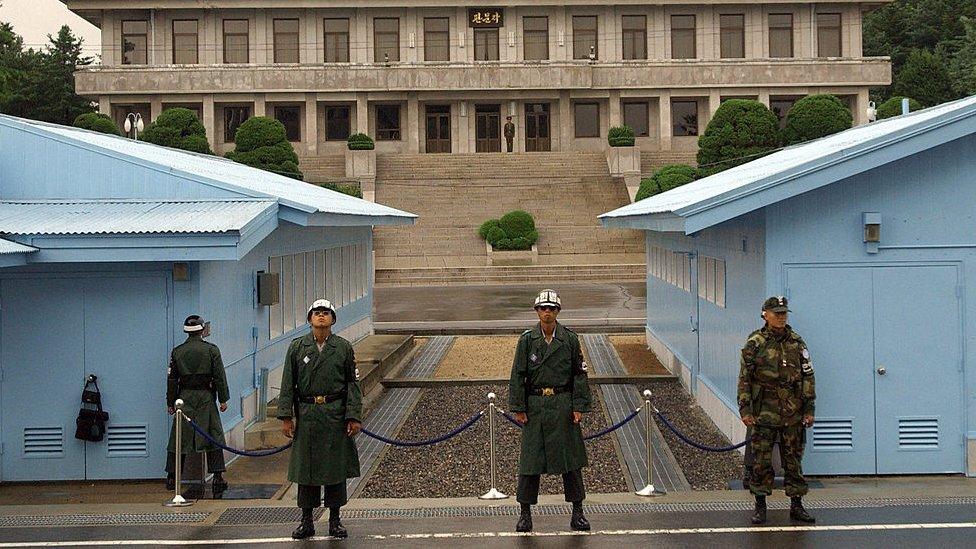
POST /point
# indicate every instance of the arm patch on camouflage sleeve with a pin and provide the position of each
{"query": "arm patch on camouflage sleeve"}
(807, 369)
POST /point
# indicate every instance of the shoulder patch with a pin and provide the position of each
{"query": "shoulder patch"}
(807, 369)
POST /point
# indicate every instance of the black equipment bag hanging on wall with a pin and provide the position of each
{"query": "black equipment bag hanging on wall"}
(91, 421)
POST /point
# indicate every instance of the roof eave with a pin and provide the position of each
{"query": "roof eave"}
(326, 219)
(665, 222)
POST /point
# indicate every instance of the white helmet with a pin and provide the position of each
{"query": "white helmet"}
(321, 304)
(548, 297)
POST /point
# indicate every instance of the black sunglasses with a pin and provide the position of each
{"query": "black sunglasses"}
(547, 308)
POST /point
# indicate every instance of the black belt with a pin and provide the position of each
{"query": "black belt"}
(196, 382)
(550, 391)
(322, 399)
(778, 384)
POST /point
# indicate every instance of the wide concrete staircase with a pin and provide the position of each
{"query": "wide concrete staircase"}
(327, 168)
(453, 194)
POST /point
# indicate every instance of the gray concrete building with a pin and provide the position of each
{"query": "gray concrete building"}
(442, 75)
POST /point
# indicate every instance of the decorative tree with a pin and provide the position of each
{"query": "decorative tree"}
(816, 116)
(740, 131)
(261, 142)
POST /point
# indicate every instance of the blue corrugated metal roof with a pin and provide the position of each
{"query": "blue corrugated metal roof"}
(8, 247)
(781, 167)
(78, 217)
(229, 175)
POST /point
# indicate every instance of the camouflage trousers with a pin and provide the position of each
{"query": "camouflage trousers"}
(791, 441)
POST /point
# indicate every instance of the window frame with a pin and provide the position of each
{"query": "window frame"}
(580, 34)
(145, 40)
(822, 28)
(377, 53)
(335, 39)
(443, 39)
(392, 134)
(298, 121)
(636, 32)
(646, 117)
(328, 126)
(576, 119)
(276, 35)
(246, 35)
(674, 124)
(229, 135)
(731, 32)
(776, 30)
(482, 46)
(535, 33)
(684, 32)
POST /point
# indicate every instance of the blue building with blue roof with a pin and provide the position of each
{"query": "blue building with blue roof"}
(107, 244)
(871, 234)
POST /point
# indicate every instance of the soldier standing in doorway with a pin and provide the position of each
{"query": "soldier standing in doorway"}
(196, 375)
(321, 408)
(548, 393)
(776, 399)
(509, 131)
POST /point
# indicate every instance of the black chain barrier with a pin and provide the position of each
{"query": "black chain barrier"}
(463, 427)
(591, 436)
(689, 442)
(222, 446)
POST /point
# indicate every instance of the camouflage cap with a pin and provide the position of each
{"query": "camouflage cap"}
(776, 304)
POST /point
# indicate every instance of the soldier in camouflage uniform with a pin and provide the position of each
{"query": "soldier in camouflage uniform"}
(776, 399)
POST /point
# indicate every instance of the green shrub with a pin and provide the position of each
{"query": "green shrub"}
(514, 231)
(740, 131)
(665, 179)
(97, 122)
(892, 107)
(178, 128)
(360, 142)
(352, 189)
(816, 116)
(261, 143)
(621, 136)
(924, 76)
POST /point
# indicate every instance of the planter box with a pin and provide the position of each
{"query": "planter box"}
(361, 166)
(624, 161)
(511, 257)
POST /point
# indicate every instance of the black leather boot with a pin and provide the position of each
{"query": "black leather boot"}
(759, 516)
(195, 491)
(170, 483)
(336, 529)
(797, 512)
(306, 528)
(579, 522)
(219, 485)
(525, 519)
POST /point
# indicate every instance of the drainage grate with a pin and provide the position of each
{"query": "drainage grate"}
(264, 515)
(95, 520)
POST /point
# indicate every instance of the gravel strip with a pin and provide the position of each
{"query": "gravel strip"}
(704, 470)
(635, 355)
(459, 466)
(478, 357)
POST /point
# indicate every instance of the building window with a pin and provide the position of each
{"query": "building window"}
(486, 44)
(185, 42)
(584, 36)
(386, 39)
(732, 33)
(233, 118)
(336, 40)
(711, 280)
(828, 35)
(337, 126)
(535, 38)
(236, 41)
(684, 117)
(683, 37)
(134, 42)
(635, 116)
(291, 117)
(587, 119)
(437, 39)
(780, 108)
(635, 36)
(781, 35)
(286, 40)
(388, 122)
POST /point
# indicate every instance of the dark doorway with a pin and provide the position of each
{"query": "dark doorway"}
(438, 128)
(537, 137)
(488, 122)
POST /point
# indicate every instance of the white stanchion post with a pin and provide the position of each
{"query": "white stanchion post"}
(649, 490)
(178, 419)
(493, 493)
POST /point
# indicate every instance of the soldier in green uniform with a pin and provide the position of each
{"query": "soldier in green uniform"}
(196, 375)
(321, 407)
(776, 399)
(548, 394)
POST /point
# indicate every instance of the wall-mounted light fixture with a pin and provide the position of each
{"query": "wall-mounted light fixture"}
(872, 231)
(181, 272)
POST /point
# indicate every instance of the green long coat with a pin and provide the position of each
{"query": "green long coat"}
(197, 357)
(322, 453)
(551, 442)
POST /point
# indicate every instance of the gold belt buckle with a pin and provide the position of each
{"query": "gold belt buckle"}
(320, 399)
(548, 391)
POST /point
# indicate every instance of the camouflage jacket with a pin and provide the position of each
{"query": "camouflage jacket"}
(776, 380)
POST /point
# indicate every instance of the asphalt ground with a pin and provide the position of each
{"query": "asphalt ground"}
(894, 526)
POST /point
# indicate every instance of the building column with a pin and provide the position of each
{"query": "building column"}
(861, 107)
(260, 108)
(105, 105)
(413, 123)
(616, 119)
(764, 97)
(362, 114)
(209, 120)
(566, 125)
(664, 108)
(714, 100)
(311, 124)
(155, 108)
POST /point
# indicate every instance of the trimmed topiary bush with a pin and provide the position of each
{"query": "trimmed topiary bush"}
(665, 179)
(97, 122)
(514, 231)
(621, 136)
(816, 116)
(178, 128)
(360, 142)
(261, 143)
(892, 107)
(351, 189)
(741, 130)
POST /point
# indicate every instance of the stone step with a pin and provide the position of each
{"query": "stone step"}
(436, 277)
